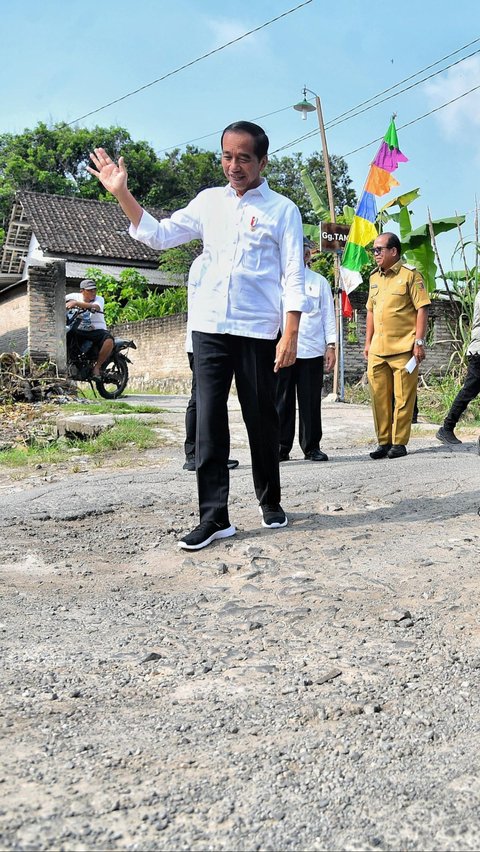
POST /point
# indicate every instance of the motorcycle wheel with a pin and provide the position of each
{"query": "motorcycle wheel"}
(114, 378)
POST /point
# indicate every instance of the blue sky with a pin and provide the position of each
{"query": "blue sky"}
(62, 61)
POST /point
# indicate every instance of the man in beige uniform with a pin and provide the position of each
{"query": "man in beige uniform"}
(397, 314)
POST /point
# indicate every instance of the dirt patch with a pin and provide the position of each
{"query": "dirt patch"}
(312, 687)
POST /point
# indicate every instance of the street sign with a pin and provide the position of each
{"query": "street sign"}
(333, 237)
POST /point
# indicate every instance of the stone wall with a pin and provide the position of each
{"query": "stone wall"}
(160, 360)
(14, 320)
(33, 316)
(46, 327)
(439, 338)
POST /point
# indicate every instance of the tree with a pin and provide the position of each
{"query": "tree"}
(54, 159)
(182, 176)
(284, 175)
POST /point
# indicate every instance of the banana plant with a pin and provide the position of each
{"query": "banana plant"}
(417, 243)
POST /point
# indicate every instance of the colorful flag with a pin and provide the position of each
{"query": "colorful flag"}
(363, 231)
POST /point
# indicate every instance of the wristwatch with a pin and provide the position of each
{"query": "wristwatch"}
(331, 346)
(420, 341)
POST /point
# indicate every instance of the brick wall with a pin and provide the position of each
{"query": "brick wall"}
(160, 360)
(14, 320)
(439, 348)
(46, 300)
(34, 316)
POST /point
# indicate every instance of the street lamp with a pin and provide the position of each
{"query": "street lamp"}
(305, 107)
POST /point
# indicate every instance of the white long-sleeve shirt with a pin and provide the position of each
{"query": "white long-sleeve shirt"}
(317, 326)
(249, 244)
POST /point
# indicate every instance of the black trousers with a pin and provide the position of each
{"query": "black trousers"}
(305, 377)
(191, 413)
(470, 389)
(218, 358)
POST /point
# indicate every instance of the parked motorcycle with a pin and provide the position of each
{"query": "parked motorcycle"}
(81, 359)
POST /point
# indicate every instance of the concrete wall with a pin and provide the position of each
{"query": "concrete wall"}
(14, 320)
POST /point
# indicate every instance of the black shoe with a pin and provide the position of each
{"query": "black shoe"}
(381, 452)
(316, 455)
(284, 456)
(190, 464)
(447, 436)
(273, 516)
(397, 451)
(204, 534)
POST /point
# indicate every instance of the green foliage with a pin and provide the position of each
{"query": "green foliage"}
(130, 284)
(319, 203)
(177, 261)
(436, 399)
(284, 174)
(129, 432)
(54, 159)
(130, 298)
(171, 301)
(105, 406)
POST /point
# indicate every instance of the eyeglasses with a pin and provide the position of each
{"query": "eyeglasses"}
(380, 249)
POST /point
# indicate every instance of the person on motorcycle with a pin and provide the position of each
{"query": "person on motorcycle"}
(93, 326)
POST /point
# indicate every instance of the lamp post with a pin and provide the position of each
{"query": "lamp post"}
(305, 107)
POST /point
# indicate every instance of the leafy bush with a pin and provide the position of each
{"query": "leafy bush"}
(173, 301)
(130, 298)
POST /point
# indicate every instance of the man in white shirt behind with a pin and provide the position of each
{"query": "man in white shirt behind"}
(315, 351)
(252, 239)
(191, 412)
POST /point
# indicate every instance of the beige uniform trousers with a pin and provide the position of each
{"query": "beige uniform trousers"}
(387, 378)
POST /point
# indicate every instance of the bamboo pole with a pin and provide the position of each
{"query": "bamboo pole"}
(336, 261)
(442, 273)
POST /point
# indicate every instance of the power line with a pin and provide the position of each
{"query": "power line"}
(189, 64)
(217, 132)
(411, 77)
(335, 120)
(414, 120)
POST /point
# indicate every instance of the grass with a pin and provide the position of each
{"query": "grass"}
(129, 433)
(433, 401)
(108, 407)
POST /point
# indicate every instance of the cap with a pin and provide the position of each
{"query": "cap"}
(87, 284)
(307, 242)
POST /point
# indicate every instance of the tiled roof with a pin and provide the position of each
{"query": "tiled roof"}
(81, 227)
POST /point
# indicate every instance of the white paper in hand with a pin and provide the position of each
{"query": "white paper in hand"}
(410, 365)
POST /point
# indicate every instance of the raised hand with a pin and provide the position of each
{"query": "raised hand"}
(112, 176)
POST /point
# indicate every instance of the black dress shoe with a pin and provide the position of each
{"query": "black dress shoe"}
(397, 451)
(381, 452)
(190, 464)
(283, 456)
(316, 455)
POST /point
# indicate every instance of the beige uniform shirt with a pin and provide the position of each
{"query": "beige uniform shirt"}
(394, 298)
